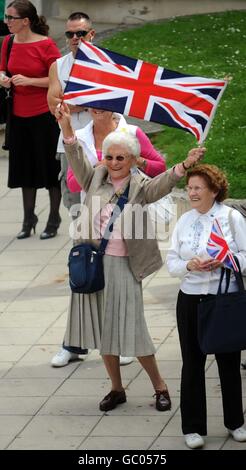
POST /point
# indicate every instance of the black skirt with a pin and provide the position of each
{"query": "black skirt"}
(32, 150)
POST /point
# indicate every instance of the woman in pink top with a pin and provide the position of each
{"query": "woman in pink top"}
(92, 136)
(33, 131)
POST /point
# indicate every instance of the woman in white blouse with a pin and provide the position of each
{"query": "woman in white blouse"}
(188, 259)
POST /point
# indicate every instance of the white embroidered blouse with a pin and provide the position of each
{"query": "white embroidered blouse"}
(190, 238)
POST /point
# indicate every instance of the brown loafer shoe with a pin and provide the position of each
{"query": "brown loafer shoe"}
(163, 401)
(111, 400)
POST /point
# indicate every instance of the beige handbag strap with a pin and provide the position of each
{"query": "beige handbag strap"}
(231, 224)
(233, 231)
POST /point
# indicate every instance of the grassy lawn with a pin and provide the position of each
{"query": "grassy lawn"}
(213, 46)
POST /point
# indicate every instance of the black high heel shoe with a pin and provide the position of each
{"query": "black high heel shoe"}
(27, 227)
(51, 228)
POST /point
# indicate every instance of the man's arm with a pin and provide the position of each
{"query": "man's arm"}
(54, 95)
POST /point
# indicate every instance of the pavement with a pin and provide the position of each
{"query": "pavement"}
(57, 408)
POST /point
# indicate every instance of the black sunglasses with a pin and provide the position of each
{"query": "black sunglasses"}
(119, 158)
(79, 34)
(10, 17)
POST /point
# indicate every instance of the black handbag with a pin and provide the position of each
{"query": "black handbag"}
(86, 273)
(3, 104)
(6, 100)
(222, 318)
(85, 261)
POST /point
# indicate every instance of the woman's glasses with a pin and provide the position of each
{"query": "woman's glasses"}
(11, 18)
(118, 158)
(196, 189)
(78, 34)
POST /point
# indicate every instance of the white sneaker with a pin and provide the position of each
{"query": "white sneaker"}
(194, 440)
(238, 434)
(125, 360)
(63, 357)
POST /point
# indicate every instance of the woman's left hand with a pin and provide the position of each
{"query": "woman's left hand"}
(21, 80)
(194, 156)
(141, 163)
(211, 265)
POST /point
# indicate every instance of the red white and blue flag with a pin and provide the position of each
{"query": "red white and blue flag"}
(104, 79)
(218, 248)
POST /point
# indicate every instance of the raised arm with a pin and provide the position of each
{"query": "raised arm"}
(163, 183)
(82, 169)
(55, 92)
(54, 95)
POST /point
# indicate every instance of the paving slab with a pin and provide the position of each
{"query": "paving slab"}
(125, 426)
(45, 442)
(14, 407)
(54, 426)
(116, 443)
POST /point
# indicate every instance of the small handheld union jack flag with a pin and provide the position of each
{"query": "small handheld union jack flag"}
(218, 248)
(104, 79)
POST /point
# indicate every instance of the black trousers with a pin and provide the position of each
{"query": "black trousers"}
(193, 389)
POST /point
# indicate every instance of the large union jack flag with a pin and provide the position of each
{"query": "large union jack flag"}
(218, 248)
(104, 79)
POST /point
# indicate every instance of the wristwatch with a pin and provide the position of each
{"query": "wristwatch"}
(144, 164)
(185, 167)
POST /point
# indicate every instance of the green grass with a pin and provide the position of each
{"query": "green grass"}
(213, 46)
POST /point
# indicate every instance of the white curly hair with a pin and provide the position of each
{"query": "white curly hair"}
(124, 138)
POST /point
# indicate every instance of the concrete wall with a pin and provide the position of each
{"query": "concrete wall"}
(46, 7)
(139, 11)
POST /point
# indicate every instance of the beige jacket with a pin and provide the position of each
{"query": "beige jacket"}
(144, 254)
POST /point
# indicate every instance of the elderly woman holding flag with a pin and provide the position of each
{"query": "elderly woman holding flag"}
(112, 319)
(188, 259)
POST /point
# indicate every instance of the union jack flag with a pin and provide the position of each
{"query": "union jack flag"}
(218, 248)
(104, 79)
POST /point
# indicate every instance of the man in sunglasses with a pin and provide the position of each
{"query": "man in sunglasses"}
(78, 28)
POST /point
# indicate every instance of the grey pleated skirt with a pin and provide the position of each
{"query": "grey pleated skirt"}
(111, 320)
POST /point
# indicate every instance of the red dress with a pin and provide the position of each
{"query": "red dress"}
(31, 60)
(33, 131)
